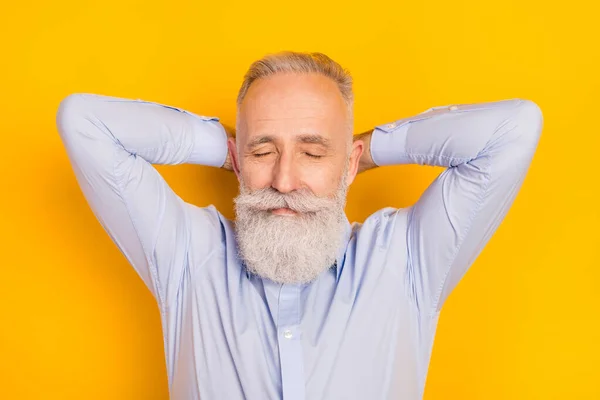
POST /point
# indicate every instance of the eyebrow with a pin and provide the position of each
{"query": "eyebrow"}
(305, 138)
(260, 140)
(313, 139)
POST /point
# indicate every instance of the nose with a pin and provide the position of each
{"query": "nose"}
(285, 174)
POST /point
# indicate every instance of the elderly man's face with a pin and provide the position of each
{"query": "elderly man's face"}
(295, 160)
(293, 134)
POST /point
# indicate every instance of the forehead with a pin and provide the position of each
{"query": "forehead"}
(293, 104)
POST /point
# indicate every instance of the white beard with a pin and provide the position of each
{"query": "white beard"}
(289, 249)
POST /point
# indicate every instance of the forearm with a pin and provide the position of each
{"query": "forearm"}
(157, 133)
(450, 136)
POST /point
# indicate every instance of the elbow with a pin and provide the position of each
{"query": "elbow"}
(526, 125)
(530, 120)
(69, 114)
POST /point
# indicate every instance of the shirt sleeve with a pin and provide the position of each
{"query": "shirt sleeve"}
(111, 144)
(487, 149)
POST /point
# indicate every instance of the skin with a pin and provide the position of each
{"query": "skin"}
(292, 134)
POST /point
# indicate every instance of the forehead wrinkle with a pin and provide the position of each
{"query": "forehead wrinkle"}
(318, 115)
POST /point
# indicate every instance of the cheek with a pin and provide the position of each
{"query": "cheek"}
(256, 175)
(322, 181)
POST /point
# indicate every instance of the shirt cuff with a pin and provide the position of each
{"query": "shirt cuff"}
(210, 143)
(388, 147)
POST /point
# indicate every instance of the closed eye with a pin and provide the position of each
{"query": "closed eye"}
(261, 154)
(313, 155)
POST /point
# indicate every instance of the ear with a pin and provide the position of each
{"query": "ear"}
(358, 146)
(233, 155)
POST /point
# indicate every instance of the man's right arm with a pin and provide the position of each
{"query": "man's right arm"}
(112, 143)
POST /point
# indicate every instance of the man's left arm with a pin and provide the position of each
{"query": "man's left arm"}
(487, 149)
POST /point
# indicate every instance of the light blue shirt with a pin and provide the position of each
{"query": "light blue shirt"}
(365, 328)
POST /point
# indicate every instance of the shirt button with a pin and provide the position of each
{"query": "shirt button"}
(392, 125)
(287, 334)
(453, 108)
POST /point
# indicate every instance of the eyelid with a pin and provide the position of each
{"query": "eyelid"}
(313, 155)
(258, 154)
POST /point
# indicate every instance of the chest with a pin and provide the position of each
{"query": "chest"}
(335, 338)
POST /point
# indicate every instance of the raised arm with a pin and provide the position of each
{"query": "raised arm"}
(487, 148)
(111, 143)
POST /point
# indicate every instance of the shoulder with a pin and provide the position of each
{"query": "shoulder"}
(382, 226)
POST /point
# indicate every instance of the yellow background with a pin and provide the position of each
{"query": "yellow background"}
(524, 323)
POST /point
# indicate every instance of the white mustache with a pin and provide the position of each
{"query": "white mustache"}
(301, 201)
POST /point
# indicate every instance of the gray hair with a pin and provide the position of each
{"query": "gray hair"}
(300, 63)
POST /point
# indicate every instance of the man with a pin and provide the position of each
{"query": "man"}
(291, 301)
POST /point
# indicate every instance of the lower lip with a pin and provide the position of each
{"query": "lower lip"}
(284, 211)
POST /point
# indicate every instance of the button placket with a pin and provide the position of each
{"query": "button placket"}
(290, 345)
